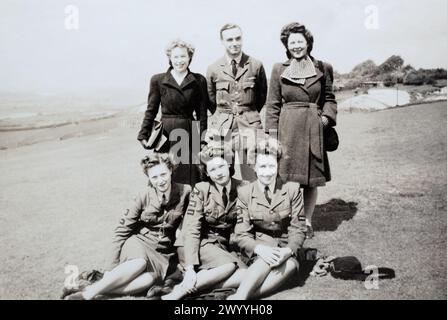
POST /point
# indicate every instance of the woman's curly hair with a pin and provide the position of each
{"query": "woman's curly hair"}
(269, 146)
(216, 149)
(296, 27)
(179, 44)
(154, 158)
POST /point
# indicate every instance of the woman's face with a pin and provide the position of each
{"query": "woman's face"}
(179, 59)
(266, 168)
(160, 177)
(218, 170)
(297, 45)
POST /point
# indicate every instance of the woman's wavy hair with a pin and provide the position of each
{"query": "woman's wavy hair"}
(155, 158)
(179, 44)
(269, 146)
(212, 150)
(296, 27)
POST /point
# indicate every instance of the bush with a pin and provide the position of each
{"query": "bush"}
(389, 81)
(414, 78)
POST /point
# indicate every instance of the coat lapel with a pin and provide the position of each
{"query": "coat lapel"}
(278, 197)
(311, 81)
(259, 196)
(155, 202)
(174, 196)
(226, 67)
(189, 79)
(217, 196)
(243, 66)
(169, 81)
(233, 193)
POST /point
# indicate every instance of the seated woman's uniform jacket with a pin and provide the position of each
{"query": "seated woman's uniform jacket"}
(207, 220)
(279, 224)
(147, 217)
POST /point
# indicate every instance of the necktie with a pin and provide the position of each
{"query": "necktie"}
(224, 196)
(267, 195)
(163, 202)
(233, 67)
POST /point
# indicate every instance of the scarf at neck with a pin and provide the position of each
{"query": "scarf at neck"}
(298, 71)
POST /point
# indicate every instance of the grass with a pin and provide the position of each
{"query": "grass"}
(386, 205)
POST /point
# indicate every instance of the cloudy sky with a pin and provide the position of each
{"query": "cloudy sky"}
(120, 44)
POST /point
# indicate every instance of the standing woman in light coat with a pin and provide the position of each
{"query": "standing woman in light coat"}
(300, 105)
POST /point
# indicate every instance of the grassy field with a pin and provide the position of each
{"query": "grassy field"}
(386, 205)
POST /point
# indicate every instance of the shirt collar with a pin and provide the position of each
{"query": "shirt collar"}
(220, 188)
(238, 59)
(167, 193)
(271, 186)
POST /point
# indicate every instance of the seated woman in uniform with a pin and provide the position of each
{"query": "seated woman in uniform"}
(143, 252)
(204, 245)
(270, 226)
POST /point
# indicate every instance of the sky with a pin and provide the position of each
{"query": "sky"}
(49, 46)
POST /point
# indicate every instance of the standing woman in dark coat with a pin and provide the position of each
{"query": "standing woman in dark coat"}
(300, 104)
(180, 93)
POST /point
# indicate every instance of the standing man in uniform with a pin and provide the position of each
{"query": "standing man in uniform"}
(237, 87)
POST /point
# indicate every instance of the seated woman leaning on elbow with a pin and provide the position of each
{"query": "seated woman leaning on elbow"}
(143, 250)
(270, 226)
(204, 247)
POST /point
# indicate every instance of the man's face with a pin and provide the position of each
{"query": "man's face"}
(232, 41)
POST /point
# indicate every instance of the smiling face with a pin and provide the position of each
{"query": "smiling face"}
(297, 45)
(179, 59)
(266, 168)
(160, 177)
(232, 41)
(218, 170)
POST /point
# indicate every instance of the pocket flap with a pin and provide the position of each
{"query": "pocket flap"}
(252, 116)
(256, 215)
(223, 85)
(248, 84)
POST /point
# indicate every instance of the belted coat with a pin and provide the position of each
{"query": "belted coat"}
(295, 111)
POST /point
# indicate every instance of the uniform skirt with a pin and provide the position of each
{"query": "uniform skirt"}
(213, 255)
(267, 240)
(158, 263)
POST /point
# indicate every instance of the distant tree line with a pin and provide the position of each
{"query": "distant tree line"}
(390, 72)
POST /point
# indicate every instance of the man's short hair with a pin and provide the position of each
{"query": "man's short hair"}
(228, 26)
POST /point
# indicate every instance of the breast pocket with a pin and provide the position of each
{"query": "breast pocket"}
(173, 217)
(222, 90)
(211, 215)
(150, 216)
(284, 213)
(256, 215)
(249, 92)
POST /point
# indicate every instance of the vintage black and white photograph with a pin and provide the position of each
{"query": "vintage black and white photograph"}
(223, 150)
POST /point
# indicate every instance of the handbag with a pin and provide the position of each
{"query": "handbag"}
(157, 139)
(330, 139)
(330, 136)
